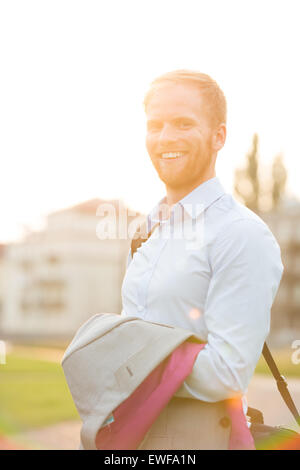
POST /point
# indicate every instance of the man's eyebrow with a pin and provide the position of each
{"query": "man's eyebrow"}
(183, 118)
(174, 118)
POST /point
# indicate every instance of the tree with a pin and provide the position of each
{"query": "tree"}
(253, 192)
(279, 177)
(246, 184)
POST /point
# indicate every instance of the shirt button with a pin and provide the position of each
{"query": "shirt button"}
(225, 422)
(140, 308)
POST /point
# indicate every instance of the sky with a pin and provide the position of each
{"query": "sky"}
(72, 83)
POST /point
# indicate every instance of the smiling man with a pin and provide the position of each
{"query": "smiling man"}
(184, 132)
(222, 289)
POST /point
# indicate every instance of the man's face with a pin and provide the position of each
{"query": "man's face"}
(179, 136)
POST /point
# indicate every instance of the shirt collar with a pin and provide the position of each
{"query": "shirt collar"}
(193, 203)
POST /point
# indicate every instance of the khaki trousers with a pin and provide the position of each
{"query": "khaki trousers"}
(189, 424)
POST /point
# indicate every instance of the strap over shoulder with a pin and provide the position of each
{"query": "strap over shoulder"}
(141, 235)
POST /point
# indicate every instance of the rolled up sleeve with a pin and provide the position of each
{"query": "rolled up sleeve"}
(246, 271)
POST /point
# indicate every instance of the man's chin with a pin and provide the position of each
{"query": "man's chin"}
(172, 183)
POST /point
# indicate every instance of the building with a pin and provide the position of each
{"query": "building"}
(57, 278)
(285, 225)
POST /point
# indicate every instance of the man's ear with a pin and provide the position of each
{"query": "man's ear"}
(219, 137)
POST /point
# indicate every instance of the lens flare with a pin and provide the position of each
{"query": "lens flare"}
(195, 313)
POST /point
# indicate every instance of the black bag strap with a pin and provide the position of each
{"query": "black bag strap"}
(282, 384)
(141, 236)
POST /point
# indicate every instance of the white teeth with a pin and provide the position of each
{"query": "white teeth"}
(172, 154)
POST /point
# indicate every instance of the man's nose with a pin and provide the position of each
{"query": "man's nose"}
(167, 135)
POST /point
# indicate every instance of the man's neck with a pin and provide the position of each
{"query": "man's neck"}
(176, 194)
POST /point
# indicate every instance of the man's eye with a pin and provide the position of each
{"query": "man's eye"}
(184, 124)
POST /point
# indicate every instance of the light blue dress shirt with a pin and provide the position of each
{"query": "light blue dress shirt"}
(219, 279)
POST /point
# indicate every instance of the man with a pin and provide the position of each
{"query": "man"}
(224, 287)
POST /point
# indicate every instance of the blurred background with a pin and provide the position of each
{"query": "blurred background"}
(72, 126)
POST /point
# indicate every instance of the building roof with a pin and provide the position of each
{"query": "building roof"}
(91, 206)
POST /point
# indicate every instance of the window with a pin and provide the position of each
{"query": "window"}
(26, 265)
(44, 295)
(53, 259)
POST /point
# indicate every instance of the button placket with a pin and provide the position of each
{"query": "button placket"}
(163, 243)
(156, 249)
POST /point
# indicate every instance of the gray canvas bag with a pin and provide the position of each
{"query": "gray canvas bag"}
(108, 358)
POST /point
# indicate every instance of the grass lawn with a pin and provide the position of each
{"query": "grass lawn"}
(33, 393)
